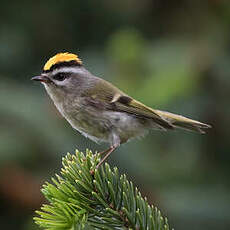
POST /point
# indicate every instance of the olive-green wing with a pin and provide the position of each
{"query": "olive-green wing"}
(129, 105)
(106, 95)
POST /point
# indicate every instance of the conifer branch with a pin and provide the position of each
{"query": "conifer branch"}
(81, 200)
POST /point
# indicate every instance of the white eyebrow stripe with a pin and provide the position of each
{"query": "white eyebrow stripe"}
(66, 70)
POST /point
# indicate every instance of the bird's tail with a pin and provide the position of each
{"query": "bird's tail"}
(178, 121)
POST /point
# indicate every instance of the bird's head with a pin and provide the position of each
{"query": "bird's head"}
(63, 73)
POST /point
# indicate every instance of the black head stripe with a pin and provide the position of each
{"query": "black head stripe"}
(62, 64)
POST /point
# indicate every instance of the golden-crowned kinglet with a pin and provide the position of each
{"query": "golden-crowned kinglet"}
(99, 110)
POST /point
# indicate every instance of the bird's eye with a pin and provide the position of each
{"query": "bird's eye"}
(60, 76)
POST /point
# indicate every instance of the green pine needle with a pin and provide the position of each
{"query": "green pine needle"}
(105, 200)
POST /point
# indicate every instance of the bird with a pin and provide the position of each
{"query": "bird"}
(99, 110)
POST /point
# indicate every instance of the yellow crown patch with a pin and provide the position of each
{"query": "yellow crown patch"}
(61, 57)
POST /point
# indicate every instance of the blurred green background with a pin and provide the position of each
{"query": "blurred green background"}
(171, 55)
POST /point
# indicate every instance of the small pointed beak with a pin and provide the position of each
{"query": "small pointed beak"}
(41, 78)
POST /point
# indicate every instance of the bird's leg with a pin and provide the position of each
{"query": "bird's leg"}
(109, 151)
(105, 151)
(115, 143)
